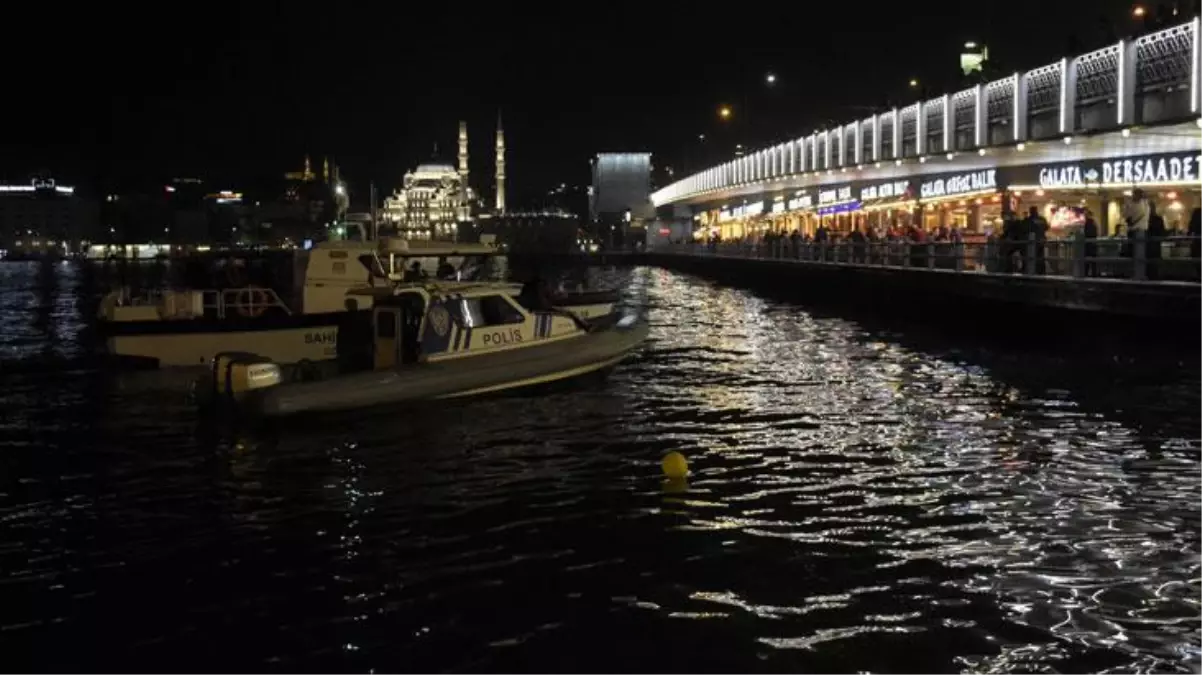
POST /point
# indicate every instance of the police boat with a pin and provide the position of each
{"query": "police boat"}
(433, 341)
(188, 327)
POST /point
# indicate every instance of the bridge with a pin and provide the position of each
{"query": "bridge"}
(1085, 128)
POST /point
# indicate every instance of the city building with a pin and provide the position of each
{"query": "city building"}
(542, 231)
(620, 198)
(621, 187)
(42, 217)
(188, 222)
(1082, 133)
(307, 207)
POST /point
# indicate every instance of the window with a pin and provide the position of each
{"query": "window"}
(497, 310)
(372, 263)
(491, 310)
(339, 268)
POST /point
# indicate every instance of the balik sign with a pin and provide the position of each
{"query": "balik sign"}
(841, 194)
(749, 210)
(975, 181)
(802, 202)
(896, 188)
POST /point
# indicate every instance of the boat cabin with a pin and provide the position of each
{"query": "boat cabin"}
(335, 270)
(429, 323)
(336, 273)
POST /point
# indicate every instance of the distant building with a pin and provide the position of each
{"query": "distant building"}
(428, 204)
(621, 184)
(188, 222)
(620, 198)
(551, 230)
(309, 206)
(42, 217)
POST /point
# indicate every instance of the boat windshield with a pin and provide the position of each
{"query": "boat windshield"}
(451, 268)
(374, 267)
(483, 268)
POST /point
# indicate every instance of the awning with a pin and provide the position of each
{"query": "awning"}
(888, 203)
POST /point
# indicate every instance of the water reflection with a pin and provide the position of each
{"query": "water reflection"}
(857, 500)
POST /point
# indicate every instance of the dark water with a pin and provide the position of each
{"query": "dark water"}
(859, 501)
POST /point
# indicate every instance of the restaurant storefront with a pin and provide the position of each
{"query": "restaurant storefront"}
(1064, 191)
(971, 201)
(974, 201)
(781, 214)
(888, 205)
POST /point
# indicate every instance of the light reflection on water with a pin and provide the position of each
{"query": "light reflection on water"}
(858, 500)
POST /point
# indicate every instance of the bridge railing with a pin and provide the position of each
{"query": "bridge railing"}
(1140, 258)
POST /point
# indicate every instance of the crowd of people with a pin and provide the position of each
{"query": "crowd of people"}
(1021, 243)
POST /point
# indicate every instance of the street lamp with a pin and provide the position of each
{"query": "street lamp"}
(913, 83)
(724, 112)
(770, 78)
(1138, 11)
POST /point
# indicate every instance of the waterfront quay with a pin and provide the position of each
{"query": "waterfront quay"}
(968, 280)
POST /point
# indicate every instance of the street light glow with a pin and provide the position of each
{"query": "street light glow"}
(913, 83)
(1138, 11)
(771, 78)
(724, 112)
(970, 45)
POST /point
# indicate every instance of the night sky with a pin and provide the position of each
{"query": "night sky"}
(124, 97)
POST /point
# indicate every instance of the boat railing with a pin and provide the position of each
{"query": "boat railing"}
(247, 301)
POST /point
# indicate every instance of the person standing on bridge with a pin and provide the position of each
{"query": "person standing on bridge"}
(1154, 240)
(1090, 232)
(1195, 233)
(1036, 226)
(1135, 215)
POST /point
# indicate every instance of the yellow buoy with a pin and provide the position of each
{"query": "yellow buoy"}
(675, 465)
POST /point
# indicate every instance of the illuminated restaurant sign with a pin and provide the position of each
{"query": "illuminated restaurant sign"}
(748, 210)
(840, 194)
(802, 202)
(973, 181)
(897, 188)
(1177, 168)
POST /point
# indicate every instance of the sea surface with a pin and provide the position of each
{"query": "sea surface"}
(861, 497)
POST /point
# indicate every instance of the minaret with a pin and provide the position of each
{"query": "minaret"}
(463, 152)
(500, 166)
(463, 184)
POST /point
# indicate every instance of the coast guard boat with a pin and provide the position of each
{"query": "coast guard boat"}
(340, 281)
(431, 341)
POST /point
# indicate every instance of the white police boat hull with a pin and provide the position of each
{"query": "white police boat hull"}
(428, 343)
